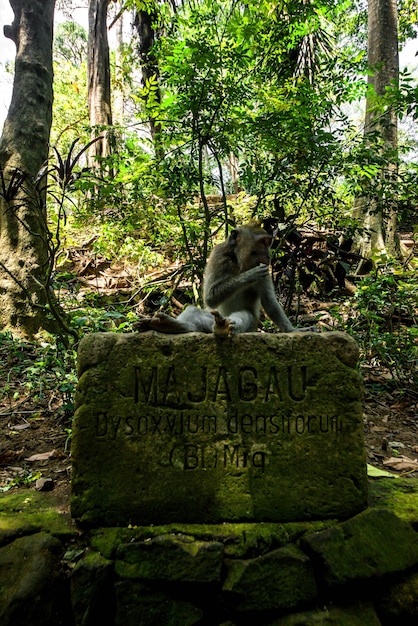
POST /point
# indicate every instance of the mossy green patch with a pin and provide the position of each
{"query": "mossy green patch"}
(171, 558)
(92, 590)
(26, 511)
(281, 579)
(372, 544)
(239, 540)
(399, 603)
(399, 495)
(139, 604)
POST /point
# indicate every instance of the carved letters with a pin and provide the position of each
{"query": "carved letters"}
(207, 439)
(141, 426)
(165, 386)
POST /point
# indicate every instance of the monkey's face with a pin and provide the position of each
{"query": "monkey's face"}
(251, 247)
(260, 254)
(253, 250)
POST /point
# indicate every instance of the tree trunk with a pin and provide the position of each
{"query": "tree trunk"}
(99, 99)
(23, 151)
(146, 34)
(118, 98)
(378, 211)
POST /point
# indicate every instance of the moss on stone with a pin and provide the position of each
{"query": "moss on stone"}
(399, 603)
(174, 558)
(92, 594)
(139, 604)
(240, 539)
(26, 511)
(30, 582)
(399, 495)
(269, 567)
(372, 544)
(214, 438)
(280, 579)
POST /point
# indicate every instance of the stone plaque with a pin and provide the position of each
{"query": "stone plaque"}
(191, 428)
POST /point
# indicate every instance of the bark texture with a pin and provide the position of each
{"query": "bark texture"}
(99, 98)
(379, 211)
(149, 67)
(24, 149)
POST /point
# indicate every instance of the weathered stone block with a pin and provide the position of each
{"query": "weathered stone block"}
(281, 579)
(189, 428)
(398, 604)
(31, 591)
(174, 558)
(374, 543)
(92, 593)
(138, 605)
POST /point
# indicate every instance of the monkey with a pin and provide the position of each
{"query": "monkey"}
(236, 285)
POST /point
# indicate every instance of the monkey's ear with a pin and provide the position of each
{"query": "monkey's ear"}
(234, 237)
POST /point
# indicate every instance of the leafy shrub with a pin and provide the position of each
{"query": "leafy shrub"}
(384, 322)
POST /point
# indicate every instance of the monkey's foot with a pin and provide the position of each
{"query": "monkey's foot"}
(162, 323)
(222, 327)
(142, 325)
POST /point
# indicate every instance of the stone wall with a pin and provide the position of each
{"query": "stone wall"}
(360, 572)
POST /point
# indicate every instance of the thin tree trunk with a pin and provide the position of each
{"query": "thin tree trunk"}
(149, 67)
(118, 99)
(99, 97)
(379, 211)
(24, 149)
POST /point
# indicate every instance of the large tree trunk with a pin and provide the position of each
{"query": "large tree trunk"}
(24, 149)
(99, 97)
(378, 211)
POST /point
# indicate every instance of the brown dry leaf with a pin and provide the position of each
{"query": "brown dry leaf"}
(401, 405)
(9, 456)
(402, 463)
(44, 456)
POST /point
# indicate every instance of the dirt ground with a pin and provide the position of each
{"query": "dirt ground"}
(35, 431)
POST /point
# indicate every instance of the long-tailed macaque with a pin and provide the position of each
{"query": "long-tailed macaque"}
(236, 284)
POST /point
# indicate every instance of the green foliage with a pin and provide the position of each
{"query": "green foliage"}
(96, 319)
(70, 43)
(35, 367)
(21, 479)
(239, 80)
(70, 119)
(53, 366)
(130, 213)
(232, 80)
(384, 322)
(408, 19)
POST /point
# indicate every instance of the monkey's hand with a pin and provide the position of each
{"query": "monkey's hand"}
(256, 274)
(222, 327)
